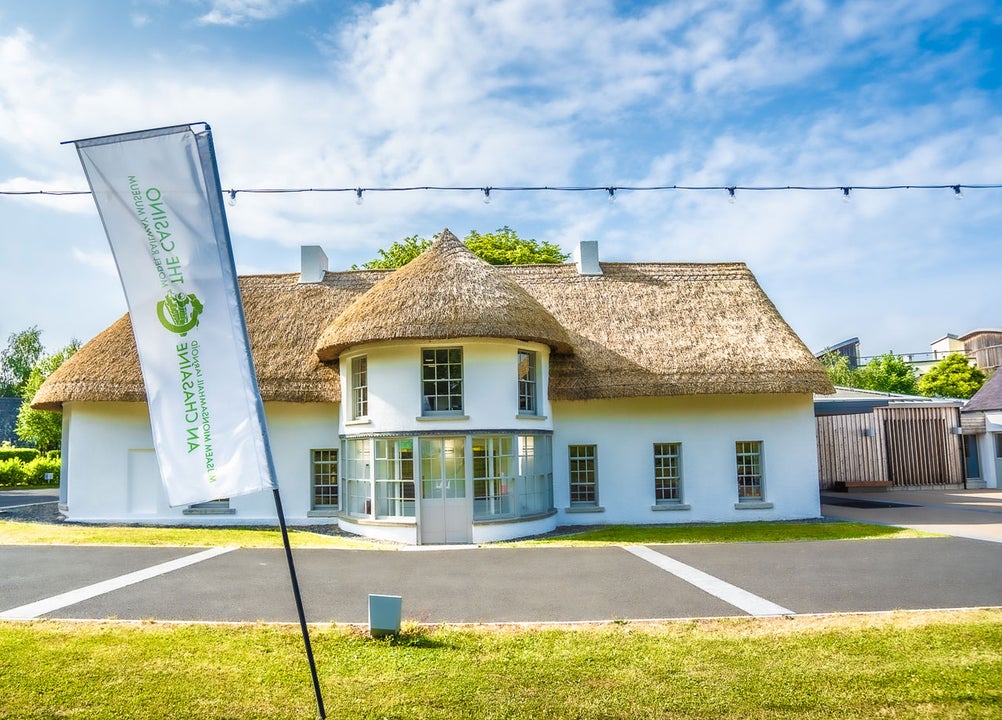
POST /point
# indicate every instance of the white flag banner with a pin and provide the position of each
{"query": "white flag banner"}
(158, 195)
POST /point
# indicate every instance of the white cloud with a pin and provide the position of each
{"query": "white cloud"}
(238, 12)
(521, 92)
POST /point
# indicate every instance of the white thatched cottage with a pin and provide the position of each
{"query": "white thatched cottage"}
(453, 401)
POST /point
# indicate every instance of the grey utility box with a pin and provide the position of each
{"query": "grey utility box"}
(384, 614)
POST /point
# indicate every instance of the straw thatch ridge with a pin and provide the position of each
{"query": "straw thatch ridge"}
(638, 330)
(282, 320)
(658, 329)
(446, 292)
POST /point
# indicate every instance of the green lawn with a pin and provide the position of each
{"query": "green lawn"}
(907, 665)
(726, 532)
(24, 533)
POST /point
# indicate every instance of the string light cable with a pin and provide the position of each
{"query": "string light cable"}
(609, 190)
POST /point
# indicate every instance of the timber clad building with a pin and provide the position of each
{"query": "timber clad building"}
(452, 401)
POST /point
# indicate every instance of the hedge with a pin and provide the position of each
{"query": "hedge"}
(22, 454)
(15, 472)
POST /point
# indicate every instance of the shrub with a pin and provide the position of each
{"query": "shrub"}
(12, 472)
(22, 454)
(54, 454)
(36, 470)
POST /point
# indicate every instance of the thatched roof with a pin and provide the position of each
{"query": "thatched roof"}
(638, 330)
(989, 397)
(446, 292)
(658, 329)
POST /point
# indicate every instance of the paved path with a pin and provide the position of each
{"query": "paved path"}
(508, 585)
(16, 498)
(973, 514)
(541, 584)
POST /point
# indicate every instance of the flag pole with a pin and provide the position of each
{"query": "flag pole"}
(216, 202)
(299, 603)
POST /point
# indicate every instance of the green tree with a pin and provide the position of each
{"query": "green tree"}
(952, 377)
(505, 247)
(839, 371)
(399, 253)
(501, 247)
(888, 373)
(17, 359)
(42, 428)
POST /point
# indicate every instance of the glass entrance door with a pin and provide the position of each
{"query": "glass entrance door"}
(445, 511)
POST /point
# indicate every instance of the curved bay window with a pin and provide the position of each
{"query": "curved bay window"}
(395, 478)
(511, 475)
(493, 476)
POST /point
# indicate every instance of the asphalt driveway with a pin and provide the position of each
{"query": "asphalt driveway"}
(537, 584)
(508, 585)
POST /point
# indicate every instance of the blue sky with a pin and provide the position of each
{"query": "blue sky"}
(535, 92)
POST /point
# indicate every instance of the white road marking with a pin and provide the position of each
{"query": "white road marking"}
(741, 599)
(57, 602)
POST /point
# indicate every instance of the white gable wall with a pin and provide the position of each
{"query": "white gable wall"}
(708, 427)
(112, 476)
(111, 473)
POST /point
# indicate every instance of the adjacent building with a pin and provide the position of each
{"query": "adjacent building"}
(982, 422)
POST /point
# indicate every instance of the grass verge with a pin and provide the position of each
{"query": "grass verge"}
(727, 532)
(27, 533)
(907, 665)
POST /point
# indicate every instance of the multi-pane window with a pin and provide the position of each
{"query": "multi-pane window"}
(442, 380)
(749, 462)
(535, 475)
(325, 489)
(493, 476)
(394, 477)
(583, 474)
(527, 382)
(358, 476)
(359, 388)
(667, 473)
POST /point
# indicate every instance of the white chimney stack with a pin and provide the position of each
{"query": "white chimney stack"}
(586, 257)
(314, 264)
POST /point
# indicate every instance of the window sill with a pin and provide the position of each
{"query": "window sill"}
(332, 512)
(671, 506)
(358, 421)
(753, 505)
(433, 418)
(584, 509)
(529, 416)
(208, 511)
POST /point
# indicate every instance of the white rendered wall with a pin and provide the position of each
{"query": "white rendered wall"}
(490, 388)
(708, 427)
(989, 463)
(111, 470)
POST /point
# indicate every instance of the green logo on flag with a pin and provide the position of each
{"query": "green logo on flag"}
(179, 312)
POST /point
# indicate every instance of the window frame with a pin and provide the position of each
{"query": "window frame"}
(394, 477)
(753, 452)
(438, 381)
(588, 457)
(358, 381)
(668, 451)
(331, 486)
(528, 386)
(494, 475)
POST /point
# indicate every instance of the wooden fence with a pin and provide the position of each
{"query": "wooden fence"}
(891, 446)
